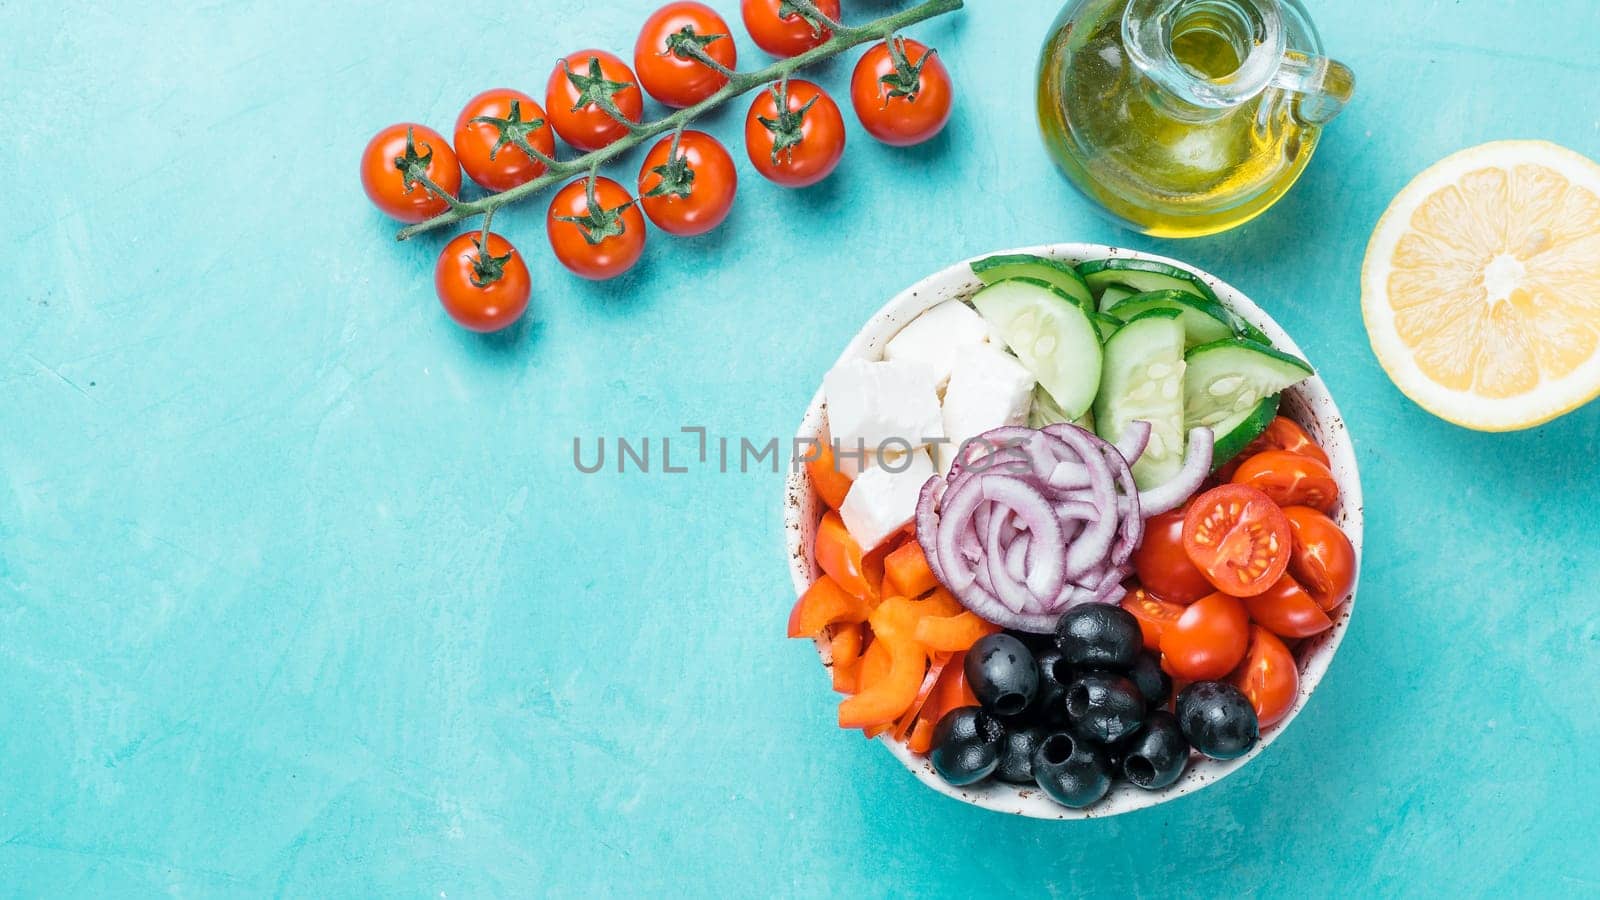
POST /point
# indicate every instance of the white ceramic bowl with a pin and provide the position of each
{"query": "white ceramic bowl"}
(1309, 404)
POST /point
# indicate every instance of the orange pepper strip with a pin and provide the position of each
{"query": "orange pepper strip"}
(885, 699)
(847, 677)
(935, 668)
(873, 731)
(943, 603)
(830, 483)
(906, 571)
(921, 741)
(952, 633)
(844, 644)
(839, 556)
(823, 604)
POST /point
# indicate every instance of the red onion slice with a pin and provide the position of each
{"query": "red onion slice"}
(1130, 446)
(1180, 487)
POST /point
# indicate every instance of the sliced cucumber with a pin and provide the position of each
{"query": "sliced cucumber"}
(1228, 378)
(1141, 275)
(1086, 421)
(1250, 332)
(1113, 295)
(1051, 335)
(1106, 325)
(1204, 321)
(1236, 433)
(1059, 275)
(1143, 379)
(1044, 411)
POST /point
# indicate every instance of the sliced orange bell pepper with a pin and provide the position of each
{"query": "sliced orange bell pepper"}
(823, 604)
(886, 698)
(872, 570)
(844, 643)
(921, 741)
(952, 633)
(942, 603)
(874, 663)
(936, 668)
(830, 483)
(872, 731)
(906, 572)
(838, 554)
(953, 691)
(847, 677)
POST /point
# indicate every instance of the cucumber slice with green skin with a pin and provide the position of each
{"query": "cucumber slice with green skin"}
(1106, 325)
(1113, 295)
(1228, 378)
(1143, 379)
(1141, 275)
(1051, 335)
(1236, 433)
(1059, 275)
(1203, 321)
(1250, 332)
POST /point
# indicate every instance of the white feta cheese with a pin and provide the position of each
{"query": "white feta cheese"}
(935, 337)
(988, 388)
(883, 499)
(875, 407)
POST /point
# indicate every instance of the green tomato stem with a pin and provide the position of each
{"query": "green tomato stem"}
(843, 39)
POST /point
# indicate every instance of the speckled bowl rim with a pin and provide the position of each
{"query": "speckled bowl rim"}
(1309, 403)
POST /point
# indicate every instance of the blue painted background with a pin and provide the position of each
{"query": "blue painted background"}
(300, 592)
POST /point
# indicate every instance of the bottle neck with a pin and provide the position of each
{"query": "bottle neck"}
(1205, 57)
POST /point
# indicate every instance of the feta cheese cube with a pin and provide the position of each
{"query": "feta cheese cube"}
(883, 499)
(935, 337)
(988, 388)
(875, 407)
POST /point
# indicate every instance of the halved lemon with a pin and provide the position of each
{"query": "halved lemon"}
(1481, 286)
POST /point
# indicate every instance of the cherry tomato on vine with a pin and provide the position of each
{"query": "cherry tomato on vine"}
(1239, 538)
(1268, 677)
(1286, 610)
(597, 234)
(1290, 479)
(1281, 434)
(1208, 640)
(493, 134)
(901, 92)
(801, 145)
(582, 88)
(1323, 560)
(484, 287)
(665, 56)
(780, 29)
(689, 193)
(393, 167)
(1163, 566)
(1154, 614)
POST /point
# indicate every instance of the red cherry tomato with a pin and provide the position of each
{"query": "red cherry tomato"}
(1290, 479)
(665, 56)
(1154, 614)
(493, 133)
(1281, 434)
(1286, 610)
(1208, 640)
(1163, 566)
(1239, 538)
(901, 92)
(1268, 677)
(801, 145)
(484, 288)
(690, 193)
(580, 90)
(783, 32)
(393, 167)
(1323, 559)
(597, 237)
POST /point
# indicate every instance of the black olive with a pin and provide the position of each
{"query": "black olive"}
(1157, 755)
(1099, 636)
(1049, 706)
(1002, 674)
(1016, 754)
(1154, 683)
(1104, 706)
(1217, 719)
(966, 745)
(1071, 771)
(1038, 643)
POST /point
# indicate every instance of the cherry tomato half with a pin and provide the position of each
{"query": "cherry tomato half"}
(599, 237)
(692, 192)
(1163, 566)
(394, 163)
(580, 89)
(786, 33)
(1239, 538)
(665, 53)
(901, 92)
(493, 133)
(1268, 677)
(1290, 479)
(1323, 559)
(1208, 640)
(1281, 434)
(1154, 614)
(803, 144)
(1286, 610)
(484, 288)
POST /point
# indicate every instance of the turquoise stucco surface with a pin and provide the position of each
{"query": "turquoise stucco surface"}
(300, 592)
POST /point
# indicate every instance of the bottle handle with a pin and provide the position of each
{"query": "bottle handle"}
(1321, 86)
